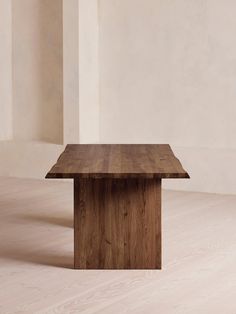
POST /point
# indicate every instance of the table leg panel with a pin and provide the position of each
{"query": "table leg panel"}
(117, 223)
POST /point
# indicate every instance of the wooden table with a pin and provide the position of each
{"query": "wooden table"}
(117, 202)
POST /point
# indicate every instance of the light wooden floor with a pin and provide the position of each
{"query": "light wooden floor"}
(36, 257)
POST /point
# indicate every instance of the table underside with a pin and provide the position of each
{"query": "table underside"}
(117, 223)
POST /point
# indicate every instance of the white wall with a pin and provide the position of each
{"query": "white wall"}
(37, 70)
(151, 71)
(5, 70)
(167, 75)
(88, 72)
(80, 71)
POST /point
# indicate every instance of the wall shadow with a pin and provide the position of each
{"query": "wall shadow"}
(50, 26)
(38, 70)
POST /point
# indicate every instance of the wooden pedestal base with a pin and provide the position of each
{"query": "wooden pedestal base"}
(117, 223)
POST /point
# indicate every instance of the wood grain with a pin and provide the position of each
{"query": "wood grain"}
(117, 161)
(117, 202)
(117, 223)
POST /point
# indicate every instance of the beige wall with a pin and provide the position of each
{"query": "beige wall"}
(167, 75)
(80, 71)
(5, 70)
(164, 72)
(168, 72)
(71, 71)
(88, 71)
(37, 70)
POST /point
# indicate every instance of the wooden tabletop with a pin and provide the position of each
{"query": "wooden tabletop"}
(117, 161)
